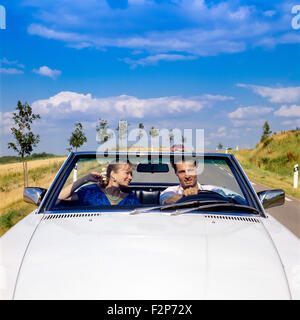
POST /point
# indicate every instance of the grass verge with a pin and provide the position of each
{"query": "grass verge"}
(13, 214)
(271, 179)
(272, 161)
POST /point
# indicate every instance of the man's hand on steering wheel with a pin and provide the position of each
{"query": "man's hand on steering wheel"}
(204, 195)
(190, 191)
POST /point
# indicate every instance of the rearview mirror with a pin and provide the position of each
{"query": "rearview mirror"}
(152, 167)
(271, 198)
(34, 195)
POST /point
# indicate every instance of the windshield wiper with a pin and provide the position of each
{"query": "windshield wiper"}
(219, 206)
(188, 204)
(142, 210)
(209, 205)
(191, 204)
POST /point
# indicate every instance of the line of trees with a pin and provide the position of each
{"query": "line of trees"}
(78, 137)
(26, 140)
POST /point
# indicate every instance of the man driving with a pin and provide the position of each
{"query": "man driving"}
(187, 175)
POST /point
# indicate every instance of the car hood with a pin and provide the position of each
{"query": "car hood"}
(151, 256)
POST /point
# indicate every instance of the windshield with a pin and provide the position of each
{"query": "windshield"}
(110, 183)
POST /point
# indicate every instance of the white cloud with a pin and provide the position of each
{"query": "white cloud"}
(153, 60)
(11, 71)
(14, 62)
(221, 132)
(247, 123)
(64, 103)
(6, 61)
(249, 112)
(13, 67)
(192, 41)
(40, 30)
(72, 104)
(217, 97)
(290, 123)
(269, 13)
(248, 117)
(6, 122)
(47, 72)
(285, 111)
(186, 27)
(275, 95)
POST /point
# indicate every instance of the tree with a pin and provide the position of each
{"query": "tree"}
(26, 140)
(78, 137)
(122, 130)
(141, 128)
(140, 134)
(153, 133)
(266, 131)
(102, 131)
(220, 146)
(171, 137)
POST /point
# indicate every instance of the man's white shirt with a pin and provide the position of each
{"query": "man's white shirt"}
(178, 190)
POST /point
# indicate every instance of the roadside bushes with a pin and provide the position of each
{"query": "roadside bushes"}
(276, 154)
(282, 165)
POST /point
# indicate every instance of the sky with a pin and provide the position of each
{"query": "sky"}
(222, 66)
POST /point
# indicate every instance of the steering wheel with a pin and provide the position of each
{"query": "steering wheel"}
(204, 195)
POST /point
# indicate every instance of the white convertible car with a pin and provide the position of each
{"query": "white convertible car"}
(216, 244)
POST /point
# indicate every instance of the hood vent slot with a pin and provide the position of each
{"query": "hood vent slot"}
(89, 215)
(70, 215)
(233, 218)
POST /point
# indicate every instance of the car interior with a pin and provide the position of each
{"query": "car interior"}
(151, 179)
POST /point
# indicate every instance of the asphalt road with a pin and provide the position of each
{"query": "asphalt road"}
(287, 214)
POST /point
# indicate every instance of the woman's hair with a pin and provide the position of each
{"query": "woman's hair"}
(115, 167)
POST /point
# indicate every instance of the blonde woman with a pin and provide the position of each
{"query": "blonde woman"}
(111, 192)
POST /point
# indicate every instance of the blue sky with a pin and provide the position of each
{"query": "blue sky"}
(222, 66)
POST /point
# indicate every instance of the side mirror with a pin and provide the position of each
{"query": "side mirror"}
(271, 198)
(34, 195)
